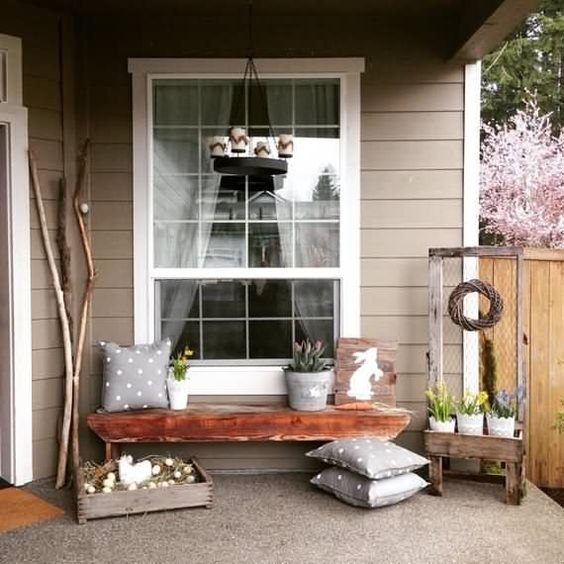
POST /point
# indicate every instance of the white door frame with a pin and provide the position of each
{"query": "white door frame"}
(16, 441)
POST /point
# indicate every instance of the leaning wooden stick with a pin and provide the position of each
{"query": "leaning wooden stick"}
(67, 347)
(86, 300)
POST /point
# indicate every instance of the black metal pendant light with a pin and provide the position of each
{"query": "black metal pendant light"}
(242, 162)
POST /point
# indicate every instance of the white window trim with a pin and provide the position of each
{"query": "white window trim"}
(245, 380)
(16, 404)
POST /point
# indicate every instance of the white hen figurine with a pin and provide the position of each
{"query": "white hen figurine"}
(130, 473)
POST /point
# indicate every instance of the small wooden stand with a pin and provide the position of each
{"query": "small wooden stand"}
(481, 447)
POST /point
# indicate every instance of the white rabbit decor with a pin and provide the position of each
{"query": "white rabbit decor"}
(360, 386)
(130, 473)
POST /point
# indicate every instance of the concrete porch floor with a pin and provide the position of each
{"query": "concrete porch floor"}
(281, 518)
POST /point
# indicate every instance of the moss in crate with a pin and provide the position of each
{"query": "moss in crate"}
(166, 471)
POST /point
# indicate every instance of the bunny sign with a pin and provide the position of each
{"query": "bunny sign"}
(365, 371)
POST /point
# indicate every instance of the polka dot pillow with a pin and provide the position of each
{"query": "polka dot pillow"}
(363, 492)
(135, 376)
(370, 457)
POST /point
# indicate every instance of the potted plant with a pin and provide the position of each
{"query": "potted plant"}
(470, 414)
(308, 377)
(441, 405)
(502, 411)
(177, 381)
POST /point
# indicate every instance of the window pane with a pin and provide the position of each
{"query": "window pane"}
(270, 339)
(222, 103)
(175, 151)
(322, 202)
(317, 245)
(175, 102)
(175, 197)
(314, 298)
(182, 334)
(317, 330)
(179, 299)
(266, 201)
(270, 245)
(176, 245)
(221, 200)
(317, 102)
(223, 245)
(270, 298)
(223, 299)
(224, 340)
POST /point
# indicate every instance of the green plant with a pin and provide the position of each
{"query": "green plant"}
(441, 402)
(506, 404)
(489, 368)
(179, 364)
(471, 403)
(308, 357)
(559, 421)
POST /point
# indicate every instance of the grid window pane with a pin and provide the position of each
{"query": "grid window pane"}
(224, 340)
(175, 151)
(223, 245)
(180, 299)
(182, 334)
(317, 245)
(175, 102)
(176, 245)
(270, 245)
(270, 298)
(317, 330)
(223, 298)
(270, 339)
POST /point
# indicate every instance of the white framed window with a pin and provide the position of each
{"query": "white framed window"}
(239, 267)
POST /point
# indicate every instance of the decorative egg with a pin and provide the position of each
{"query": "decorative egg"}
(84, 208)
(171, 482)
(187, 469)
(91, 490)
(169, 462)
(190, 479)
(178, 475)
(86, 486)
(105, 489)
(108, 483)
(152, 485)
(144, 488)
(132, 486)
(156, 470)
(164, 485)
(111, 476)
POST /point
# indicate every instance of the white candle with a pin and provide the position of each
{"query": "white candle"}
(262, 149)
(239, 140)
(217, 146)
(285, 145)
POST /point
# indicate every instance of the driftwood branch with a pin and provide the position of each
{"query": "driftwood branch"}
(86, 300)
(64, 251)
(67, 346)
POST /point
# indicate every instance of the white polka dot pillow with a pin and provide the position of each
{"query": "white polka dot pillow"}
(370, 457)
(363, 492)
(135, 376)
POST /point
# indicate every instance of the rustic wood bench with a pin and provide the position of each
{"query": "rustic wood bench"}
(204, 422)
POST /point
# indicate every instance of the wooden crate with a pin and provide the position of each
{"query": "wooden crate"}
(509, 450)
(99, 505)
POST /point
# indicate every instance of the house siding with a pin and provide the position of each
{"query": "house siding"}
(39, 30)
(411, 182)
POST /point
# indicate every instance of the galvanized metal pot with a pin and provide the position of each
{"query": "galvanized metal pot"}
(307, 391)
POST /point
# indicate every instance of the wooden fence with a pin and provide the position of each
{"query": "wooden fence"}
(544, 353)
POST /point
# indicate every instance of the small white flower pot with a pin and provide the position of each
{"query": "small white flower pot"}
(501, 426)
(177, 393)
(442, 426)
(470, 424)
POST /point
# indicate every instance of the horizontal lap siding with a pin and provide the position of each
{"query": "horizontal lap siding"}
(411, 178)
(39, 31)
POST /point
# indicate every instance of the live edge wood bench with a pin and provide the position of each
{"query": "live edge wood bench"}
(204, 422)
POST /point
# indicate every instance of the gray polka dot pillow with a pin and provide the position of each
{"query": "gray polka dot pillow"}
(363, 492)
(370, 457)
(135, 376)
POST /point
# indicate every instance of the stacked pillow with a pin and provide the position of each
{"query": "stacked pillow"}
(368, 472)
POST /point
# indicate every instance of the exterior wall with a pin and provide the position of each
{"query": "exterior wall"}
(39, 31)
(412, 131)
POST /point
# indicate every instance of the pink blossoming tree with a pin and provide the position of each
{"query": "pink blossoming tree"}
(522, 180)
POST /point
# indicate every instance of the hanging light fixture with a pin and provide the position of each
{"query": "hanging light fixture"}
(242, 161)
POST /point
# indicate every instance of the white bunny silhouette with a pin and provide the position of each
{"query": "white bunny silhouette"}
(359, 385)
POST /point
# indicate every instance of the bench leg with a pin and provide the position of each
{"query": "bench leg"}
(513, 483)
(113, 451)
(436, 475)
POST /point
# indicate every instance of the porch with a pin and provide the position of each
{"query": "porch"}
(280, 518)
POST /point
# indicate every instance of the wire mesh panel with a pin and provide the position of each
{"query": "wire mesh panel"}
(490, 358)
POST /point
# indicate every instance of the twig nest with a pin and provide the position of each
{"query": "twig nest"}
(169, 462)
(90, 489)
(152, 485)
(132, 486)
(177, 475)
(105, 489)
(156, 470)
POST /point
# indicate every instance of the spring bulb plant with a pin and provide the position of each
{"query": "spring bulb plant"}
(441, 402)
(506, 404)
(179, 364)
(472, 403)
(308, 357)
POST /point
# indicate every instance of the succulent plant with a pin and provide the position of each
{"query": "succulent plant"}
(308, 357)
